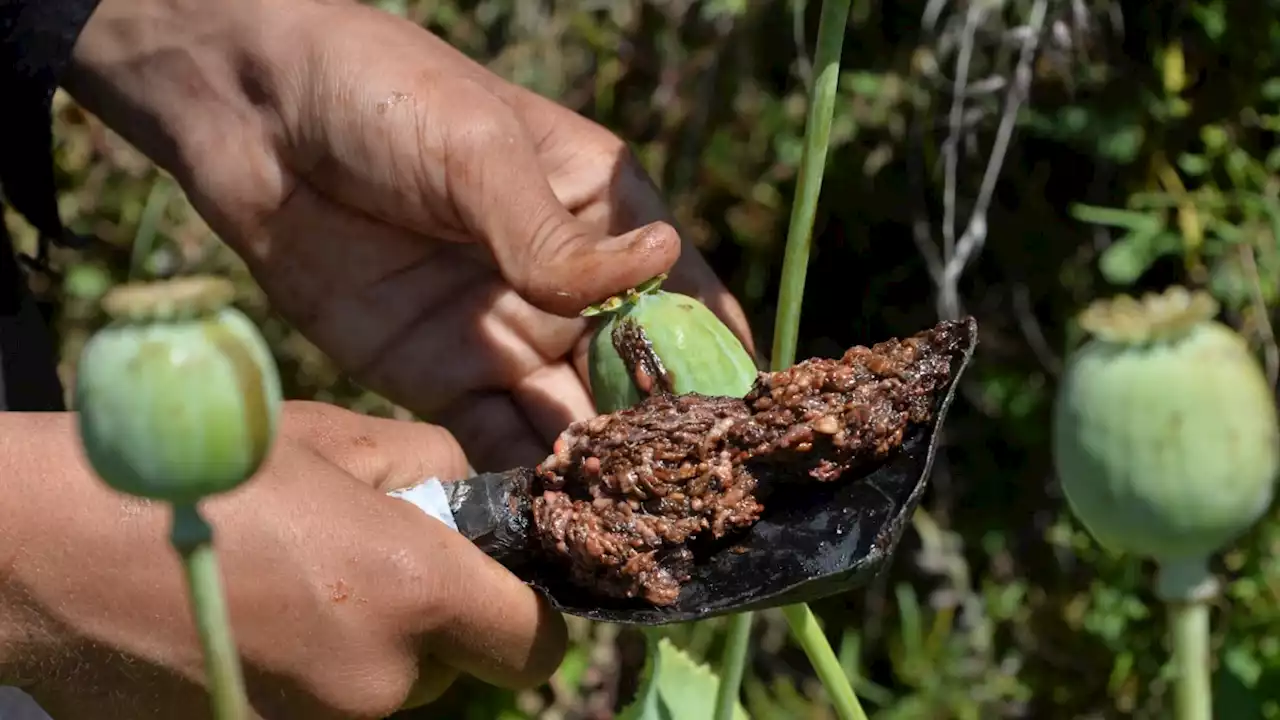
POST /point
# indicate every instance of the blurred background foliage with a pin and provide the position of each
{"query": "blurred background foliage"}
(1011, 159)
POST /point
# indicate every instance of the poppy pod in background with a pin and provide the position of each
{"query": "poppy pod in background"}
(1165, 429)
(654, 341)
(178, 397)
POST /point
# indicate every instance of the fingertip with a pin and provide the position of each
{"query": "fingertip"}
(657, 239)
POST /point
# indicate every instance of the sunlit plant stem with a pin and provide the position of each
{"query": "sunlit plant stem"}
(192, 537)
(805, 630)
(1187, 588)
(817, 139)
(733, 664)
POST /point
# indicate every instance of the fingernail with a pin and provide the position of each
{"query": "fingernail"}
(653, 237)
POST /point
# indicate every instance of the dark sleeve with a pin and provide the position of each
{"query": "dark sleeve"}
(36, 40)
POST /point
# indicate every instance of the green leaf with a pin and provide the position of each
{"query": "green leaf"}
(395, 7)
(1121, 145)
(1235, 687)
(1273, 160)
(866, 84)
(1271, 89)
(716, 9)
(1225, 231)
(1212, 16)
(1215, 138)
(577, 660)
(1130, 256)
(87, 281)
(1117, 217)
(673, 686)
(1237, 162)
(1193, 165)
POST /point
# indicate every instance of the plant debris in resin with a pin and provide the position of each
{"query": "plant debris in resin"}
(627, 499)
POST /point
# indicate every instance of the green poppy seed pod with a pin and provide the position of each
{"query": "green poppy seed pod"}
(1164, 428)
(656, 341)
(178, 397)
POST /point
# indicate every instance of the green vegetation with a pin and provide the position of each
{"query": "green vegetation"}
(1100, 147)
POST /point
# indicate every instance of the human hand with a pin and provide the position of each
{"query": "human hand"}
(432, 227)
(345, 603)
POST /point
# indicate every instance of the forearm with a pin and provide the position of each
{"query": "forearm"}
(83, 570)
(92, 601)
(29, 638)
(50, 502)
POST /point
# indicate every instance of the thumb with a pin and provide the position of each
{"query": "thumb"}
(559, 264)
(554, 260)
(449, 159)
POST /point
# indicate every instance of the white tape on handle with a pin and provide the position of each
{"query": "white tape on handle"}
(429, 497)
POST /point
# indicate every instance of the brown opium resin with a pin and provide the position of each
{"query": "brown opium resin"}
(625, 493)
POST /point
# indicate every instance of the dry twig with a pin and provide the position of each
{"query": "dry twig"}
(1270, 352)
(957, 254)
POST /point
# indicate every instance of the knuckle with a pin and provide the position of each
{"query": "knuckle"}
(314, 422)
(444, 453)
(547, 237)
(611, 151)
(388, 692)
(299, 418)
(373, 695)
(488, 122)
(552, 233)
(238, 193)
(419, 576)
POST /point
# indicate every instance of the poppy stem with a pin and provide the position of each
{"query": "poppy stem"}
(804, 628)
(192, 537)
(832, 24)
(1187, 588)
(813, 163)
(1189, 624)
(733, 664)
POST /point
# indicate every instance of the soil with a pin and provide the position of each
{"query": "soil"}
(625, 496)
